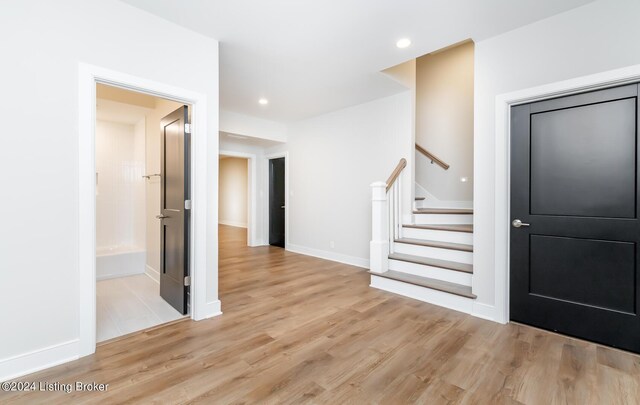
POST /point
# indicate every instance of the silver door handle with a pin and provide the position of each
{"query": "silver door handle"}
(282, 206)
(162, 216)
(517, 223)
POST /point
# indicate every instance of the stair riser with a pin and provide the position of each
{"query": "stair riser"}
(443, 299)
(443, 219)
(437, 273)
(443, 204)
(440, 236)
(434, 253)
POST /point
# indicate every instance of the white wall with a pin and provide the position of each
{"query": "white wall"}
(39, 277)
(597, 37)
(333, 159)
(444, 122)
(120, 200)
(153, 226)
(233, 191)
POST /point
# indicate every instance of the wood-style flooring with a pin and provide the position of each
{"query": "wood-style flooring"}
(297, 329)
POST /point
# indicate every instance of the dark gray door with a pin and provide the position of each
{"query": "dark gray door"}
(574, 187)
(276, 202)
(174, 235)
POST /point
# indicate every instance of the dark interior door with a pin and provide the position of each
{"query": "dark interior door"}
(276, 202)
(174, 235)
(574, 187)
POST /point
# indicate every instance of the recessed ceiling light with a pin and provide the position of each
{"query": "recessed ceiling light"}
(403, 43)
(263, 101)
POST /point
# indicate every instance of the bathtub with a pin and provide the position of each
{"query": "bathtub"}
(119, 261)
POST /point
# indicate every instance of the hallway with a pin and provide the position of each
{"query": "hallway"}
(298, 329)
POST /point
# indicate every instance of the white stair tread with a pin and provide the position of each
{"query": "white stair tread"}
(436, 244)
(437, 227)
(439, 285)
(444, 264)
(459, 211)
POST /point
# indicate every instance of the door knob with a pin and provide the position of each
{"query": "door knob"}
(517, 223)
(282, 206)
(162, 216)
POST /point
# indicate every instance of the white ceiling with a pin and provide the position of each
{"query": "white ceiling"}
(310, 57)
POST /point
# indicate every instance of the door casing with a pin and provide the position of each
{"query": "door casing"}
(502, 178)
(200, 227)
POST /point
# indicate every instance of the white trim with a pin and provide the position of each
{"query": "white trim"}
(596, 81)
(484, 311)
(211, 309)
(252, 209)
(287, 200)
(152, 273)
(332, 256)
(37, 360)
(88, 76)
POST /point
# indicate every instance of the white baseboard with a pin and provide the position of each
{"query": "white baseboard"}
(236, 224)
(152, 273)
(211, 309)
(484, 311)
(27, 363)
(333, 256)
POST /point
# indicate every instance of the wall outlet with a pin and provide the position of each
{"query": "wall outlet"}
(332, 244)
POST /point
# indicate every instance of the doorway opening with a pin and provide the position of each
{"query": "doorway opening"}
(277, 206)
(235, 192)
(142, 202)
(574, 204)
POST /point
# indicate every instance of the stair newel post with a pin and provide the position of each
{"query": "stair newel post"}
(379, 245)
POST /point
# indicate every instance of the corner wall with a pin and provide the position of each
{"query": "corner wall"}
(444, 122)
(333, 159)
(39, 243)
(594, 38)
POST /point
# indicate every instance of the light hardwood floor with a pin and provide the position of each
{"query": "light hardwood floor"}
(297, 329)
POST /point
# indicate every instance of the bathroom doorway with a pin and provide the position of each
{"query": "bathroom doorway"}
(142, 211)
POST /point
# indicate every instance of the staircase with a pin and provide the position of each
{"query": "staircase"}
(429, 257)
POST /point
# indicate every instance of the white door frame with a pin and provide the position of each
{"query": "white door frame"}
(276, 155)
(502, 217)
(252, 209)
(89, 76)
